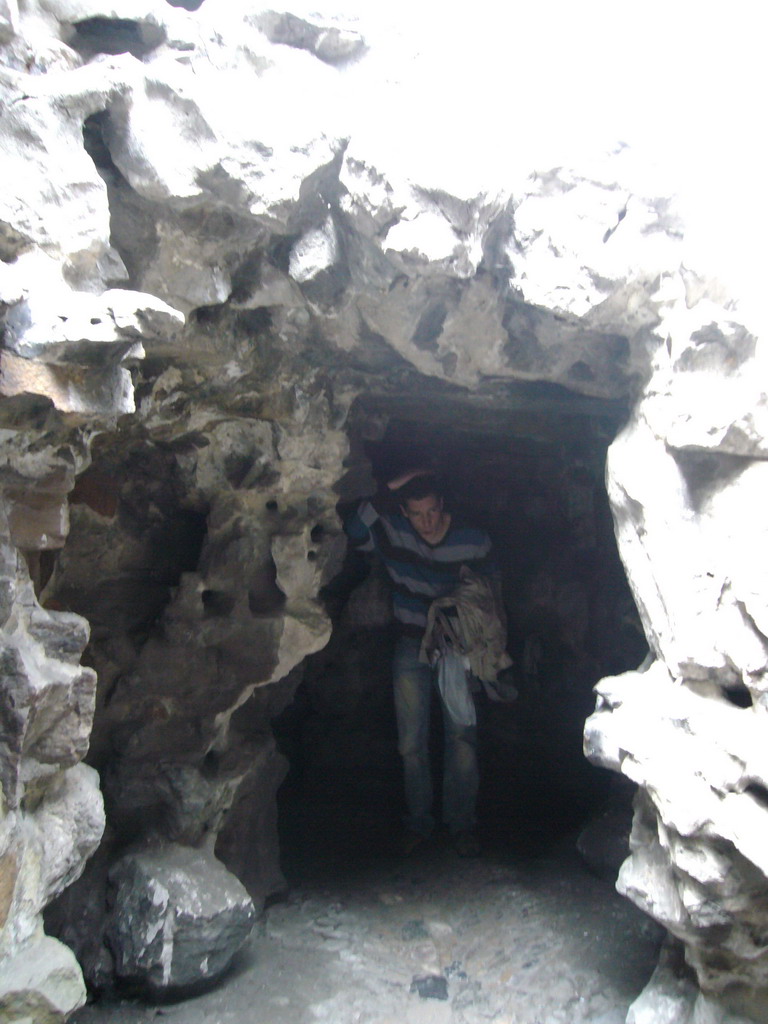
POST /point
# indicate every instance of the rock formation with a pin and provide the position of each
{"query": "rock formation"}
(684, 478)
(229, 261)
(178, 917)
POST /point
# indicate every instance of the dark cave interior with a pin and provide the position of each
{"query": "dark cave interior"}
(531, 472)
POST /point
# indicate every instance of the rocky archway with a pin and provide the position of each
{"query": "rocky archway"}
(528, 465)
(190, 314)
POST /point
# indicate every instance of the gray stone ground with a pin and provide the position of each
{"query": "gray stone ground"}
(518, 941)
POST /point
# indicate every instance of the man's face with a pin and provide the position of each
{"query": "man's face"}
(425, 516)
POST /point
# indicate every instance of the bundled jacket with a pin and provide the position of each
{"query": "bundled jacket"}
(476, 631)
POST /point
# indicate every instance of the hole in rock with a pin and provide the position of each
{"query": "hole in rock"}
(758, 792)
(128, 547)
(12, 242)
(429, 327)
(115, 35)
(738, 694)
(528, 468)
(264, 595)
(217, 603)
(209, 315)
(254, 321)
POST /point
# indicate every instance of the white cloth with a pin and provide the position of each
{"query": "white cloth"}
(454, 688)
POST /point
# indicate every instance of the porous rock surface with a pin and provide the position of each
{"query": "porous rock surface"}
(214, 236)
(52, 809)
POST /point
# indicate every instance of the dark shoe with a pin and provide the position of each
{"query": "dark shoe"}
(466, 844)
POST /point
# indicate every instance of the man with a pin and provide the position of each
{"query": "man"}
(423, 548)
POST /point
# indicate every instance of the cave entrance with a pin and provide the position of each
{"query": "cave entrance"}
(528, 466)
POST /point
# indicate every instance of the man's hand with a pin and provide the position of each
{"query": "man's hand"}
(402, 480)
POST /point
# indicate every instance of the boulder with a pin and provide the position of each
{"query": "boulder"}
(178, 919)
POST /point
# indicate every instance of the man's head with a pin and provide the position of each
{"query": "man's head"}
(421, 501)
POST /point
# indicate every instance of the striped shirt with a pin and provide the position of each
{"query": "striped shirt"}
(419, 571)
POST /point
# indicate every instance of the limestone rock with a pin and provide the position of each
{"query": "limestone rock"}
(111, 28)
(45, 849)
(179, 917)
(71, 391)
(48, 695)
(9, 16)
(695, 792)
(683, 478)
(51, 811)
(248, 841)
(670, 996)
(76, 198)
(84, 328)
(69, 824)
(42, 983)
(35, 490)
(694, 516)
(74, 11)
(265, 173)
(76, 918)
(330, 44)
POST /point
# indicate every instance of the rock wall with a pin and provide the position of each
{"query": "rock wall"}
(684, 478)
(51, 810)
(221, 226)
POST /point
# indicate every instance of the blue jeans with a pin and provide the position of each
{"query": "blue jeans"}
(413, 682)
